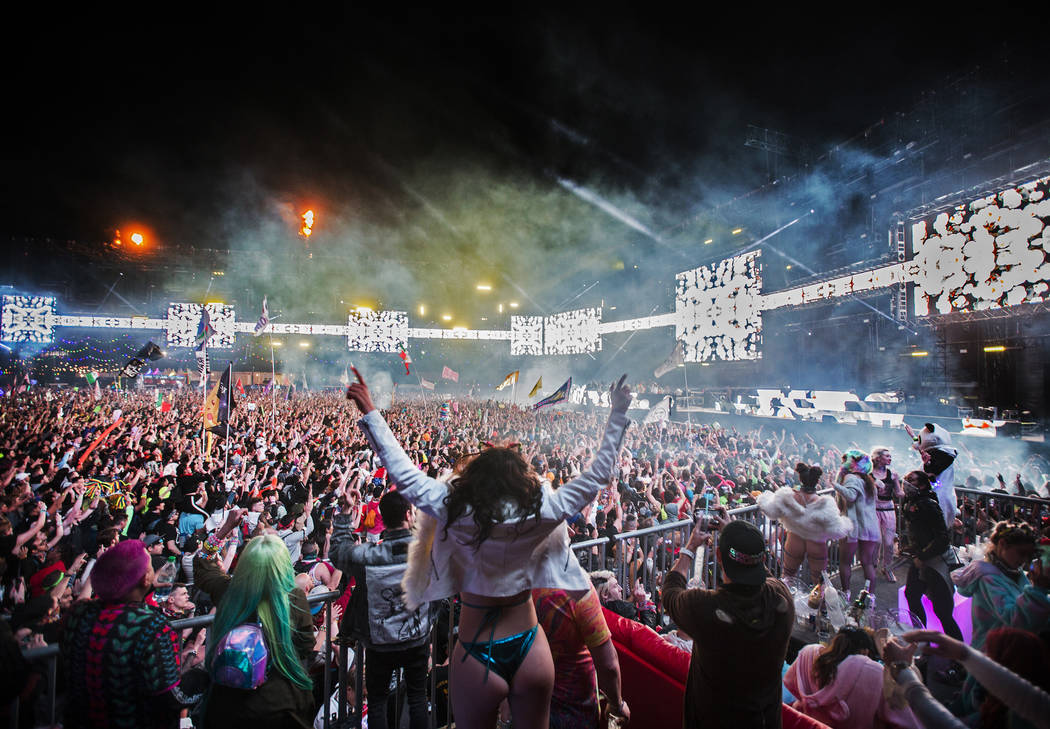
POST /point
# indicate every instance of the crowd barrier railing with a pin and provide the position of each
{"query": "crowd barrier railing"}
(998, 507)
(648, 554)
(49, 655)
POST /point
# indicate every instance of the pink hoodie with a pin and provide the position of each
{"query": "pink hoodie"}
(852, 701)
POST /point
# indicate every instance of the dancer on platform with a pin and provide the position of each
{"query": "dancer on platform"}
(888, 494)
(496, 531)
(811, 519)
(856, 487)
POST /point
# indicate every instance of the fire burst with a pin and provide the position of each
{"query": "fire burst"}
(308, 224)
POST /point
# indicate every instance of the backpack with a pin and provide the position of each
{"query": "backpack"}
(240, 658)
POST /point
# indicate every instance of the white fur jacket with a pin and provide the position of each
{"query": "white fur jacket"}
(819, 521)
(518, 555)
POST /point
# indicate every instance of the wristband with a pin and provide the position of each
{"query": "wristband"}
(211, 545)
(687, 552)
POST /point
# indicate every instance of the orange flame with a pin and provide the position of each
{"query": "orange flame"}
(308, 224)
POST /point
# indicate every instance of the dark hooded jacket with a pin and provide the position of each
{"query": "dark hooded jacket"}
(924, 534)
(740, 637)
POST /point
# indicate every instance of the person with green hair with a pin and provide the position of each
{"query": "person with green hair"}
(262, 589)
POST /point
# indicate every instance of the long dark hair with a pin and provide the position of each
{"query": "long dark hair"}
(491, 481)
(847, 642)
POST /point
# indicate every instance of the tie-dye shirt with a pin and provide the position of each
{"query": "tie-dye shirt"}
(572, 627)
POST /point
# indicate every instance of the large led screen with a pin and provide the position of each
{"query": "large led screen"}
(718, 310)
(990, 253)
(27, 319)
(572, 332)
(183, 320)
(376, 331)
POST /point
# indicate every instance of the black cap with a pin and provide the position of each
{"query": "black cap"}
(743, 551)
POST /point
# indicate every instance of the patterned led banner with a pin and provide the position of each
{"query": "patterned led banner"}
(526, 335)
(992, 253)
(27, 319)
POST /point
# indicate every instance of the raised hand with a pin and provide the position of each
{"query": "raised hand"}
(620, 395)
(359, 394)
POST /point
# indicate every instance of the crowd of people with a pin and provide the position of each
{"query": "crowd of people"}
(119, 516)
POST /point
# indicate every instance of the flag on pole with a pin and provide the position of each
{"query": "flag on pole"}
(674, 359)
(426, 384)
(559, 395)
(91, 377)
(344, 379)
(204, 327)
(660, 412)
(219, 404)
(404, 358)
(536, 387)
(511, 379)
(240, 387)
(159, 399)
(151, 353)
(98, 391)
(264, 320)
(202, 362)
(449, 374)
(132, 368)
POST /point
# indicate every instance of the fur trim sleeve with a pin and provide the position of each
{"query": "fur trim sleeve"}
(819, 521)
(417, 575)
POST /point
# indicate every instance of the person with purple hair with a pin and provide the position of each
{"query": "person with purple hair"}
(122, 652)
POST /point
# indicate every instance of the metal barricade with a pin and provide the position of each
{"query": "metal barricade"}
(647, 555)
(591, 553)
(50, 653)
(974, 504)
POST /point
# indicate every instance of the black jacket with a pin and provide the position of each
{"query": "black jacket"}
(925, 533)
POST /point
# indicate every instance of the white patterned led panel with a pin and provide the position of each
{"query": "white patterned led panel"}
(988, 254)
(572, 332)
(183, 320)
(376, 331)
(526, 335)
(27, 319)
(718, 310)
